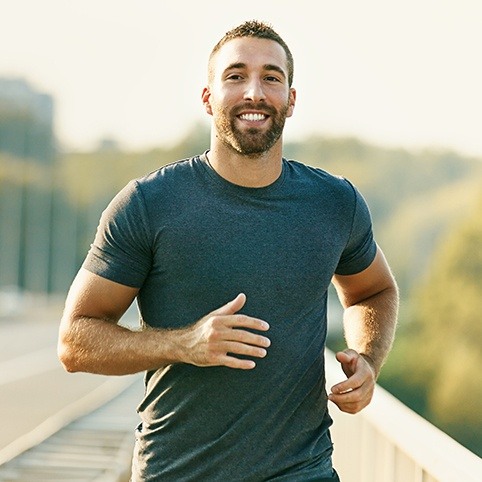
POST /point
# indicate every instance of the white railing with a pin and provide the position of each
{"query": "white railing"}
(388, 442)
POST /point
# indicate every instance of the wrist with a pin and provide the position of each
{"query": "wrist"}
(167, 346)
(373, 365)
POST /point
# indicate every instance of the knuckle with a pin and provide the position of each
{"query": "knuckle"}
(209, 350)
(212, 357)
(214, 329)
(212, 336)
(214, 321)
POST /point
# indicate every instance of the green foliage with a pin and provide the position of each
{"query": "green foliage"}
(94, 177)
(438, 356)
(24, 172)
(419, 223)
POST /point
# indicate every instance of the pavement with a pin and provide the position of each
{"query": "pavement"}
(34, 387)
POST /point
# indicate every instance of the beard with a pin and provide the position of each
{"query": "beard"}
(253, 141)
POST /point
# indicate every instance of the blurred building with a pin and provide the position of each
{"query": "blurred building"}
(26, 121)
(27, 155)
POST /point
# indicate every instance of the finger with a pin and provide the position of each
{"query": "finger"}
(232, 306)
(348, 406)
(363, 392)
(236, 348)
(349, 396)
(244, 321)
(249, 338)
(351, 402)
(238, 363)
(231, 361)
(341, 388)
(351, 408)
(354, 382)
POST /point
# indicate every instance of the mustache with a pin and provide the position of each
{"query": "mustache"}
(260, 107)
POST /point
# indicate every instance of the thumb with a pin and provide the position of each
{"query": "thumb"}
(232, 306)
(347, 360)
(346, 356)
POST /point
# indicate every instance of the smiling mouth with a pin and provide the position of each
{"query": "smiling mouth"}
(253, 117)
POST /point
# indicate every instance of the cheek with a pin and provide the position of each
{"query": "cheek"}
(220, 105)
(227, 96)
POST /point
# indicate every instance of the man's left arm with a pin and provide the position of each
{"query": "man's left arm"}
(370, 302)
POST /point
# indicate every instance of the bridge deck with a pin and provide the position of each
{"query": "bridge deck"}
(94, 447)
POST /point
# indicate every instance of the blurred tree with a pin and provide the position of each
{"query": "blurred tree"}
(435, 365)
(419, 222)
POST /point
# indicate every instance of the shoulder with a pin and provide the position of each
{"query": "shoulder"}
(319, 179)
(138, 193)
(171, 172)
(172, 178)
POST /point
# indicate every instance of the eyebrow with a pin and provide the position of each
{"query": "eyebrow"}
(242, 65)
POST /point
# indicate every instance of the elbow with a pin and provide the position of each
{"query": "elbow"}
(68, 352)
(67, 358)
(393, 294)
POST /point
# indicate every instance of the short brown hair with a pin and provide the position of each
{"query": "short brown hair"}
(255, 29)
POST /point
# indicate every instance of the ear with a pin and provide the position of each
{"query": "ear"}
(206, 95)
(292, 102)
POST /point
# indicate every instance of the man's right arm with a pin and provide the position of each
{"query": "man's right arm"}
(91, 340)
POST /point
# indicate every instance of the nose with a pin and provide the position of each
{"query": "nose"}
(254, 91)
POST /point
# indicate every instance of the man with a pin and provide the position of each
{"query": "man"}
(230, 255)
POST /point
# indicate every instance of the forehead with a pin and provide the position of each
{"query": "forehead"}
(252, 52)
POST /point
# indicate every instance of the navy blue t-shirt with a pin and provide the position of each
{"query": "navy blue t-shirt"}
(192, 241)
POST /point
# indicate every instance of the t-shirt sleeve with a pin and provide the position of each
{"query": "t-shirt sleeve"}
(361, 248)
(121, 249)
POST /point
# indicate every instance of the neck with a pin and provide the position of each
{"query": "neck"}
(247, 171)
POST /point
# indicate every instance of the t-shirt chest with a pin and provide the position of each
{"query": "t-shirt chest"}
(261, 248)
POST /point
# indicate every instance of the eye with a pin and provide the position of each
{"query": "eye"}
(272, 78)
(234, 77)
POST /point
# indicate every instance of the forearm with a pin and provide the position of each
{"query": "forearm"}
(104, 347)
(370, 325)
(101, 346)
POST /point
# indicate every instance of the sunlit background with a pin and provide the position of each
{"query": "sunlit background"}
(404, 73)
(93, 93)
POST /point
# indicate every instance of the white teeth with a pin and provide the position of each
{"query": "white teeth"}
(253, 117)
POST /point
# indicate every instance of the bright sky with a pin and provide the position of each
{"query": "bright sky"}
(405, 73)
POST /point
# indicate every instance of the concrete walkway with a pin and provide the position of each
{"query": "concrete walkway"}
(37, 397)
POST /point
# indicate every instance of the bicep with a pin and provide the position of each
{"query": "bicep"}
(352, 289)
(92, 296)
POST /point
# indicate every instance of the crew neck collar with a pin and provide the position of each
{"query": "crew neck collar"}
(254, 190)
